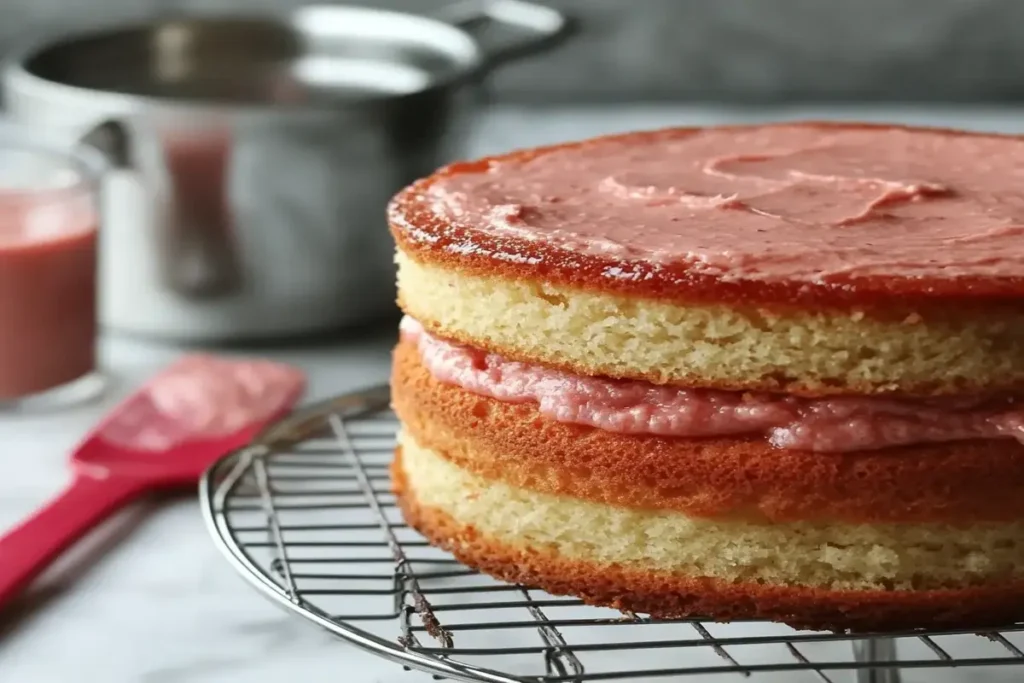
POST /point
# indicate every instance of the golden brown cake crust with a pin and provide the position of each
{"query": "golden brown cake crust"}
(427, 236)
(673, 596)
(961, 482)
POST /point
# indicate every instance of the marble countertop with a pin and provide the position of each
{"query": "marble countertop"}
(149, 599)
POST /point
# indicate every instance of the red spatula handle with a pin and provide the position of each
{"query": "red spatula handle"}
(29, 548)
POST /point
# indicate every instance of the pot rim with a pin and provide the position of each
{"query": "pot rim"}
(469, 58)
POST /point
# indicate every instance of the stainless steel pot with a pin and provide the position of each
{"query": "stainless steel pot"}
(253, 156)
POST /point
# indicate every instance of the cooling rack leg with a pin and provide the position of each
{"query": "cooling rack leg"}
(876, 650)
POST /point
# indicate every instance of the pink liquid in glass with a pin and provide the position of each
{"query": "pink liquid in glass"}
(48, 243)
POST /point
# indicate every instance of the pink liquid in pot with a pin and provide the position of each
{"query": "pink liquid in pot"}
(198, 162)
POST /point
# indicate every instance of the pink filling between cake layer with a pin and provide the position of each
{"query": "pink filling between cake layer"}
(836, 424)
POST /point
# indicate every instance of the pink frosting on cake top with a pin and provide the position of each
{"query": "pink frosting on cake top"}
(790, 422)
(796, 203)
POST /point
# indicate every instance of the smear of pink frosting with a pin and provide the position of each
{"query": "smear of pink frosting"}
(789, 422)
(203, 396)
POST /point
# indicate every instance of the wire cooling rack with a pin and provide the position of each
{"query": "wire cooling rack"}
(306, 515)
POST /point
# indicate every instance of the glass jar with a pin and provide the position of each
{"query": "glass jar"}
(49, 231)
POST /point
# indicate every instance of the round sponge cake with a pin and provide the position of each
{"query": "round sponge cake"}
(893, 325)
(721, 527)
(823, 274)
(483, 525)
(922, 350)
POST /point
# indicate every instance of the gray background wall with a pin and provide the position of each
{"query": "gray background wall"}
(932, 50)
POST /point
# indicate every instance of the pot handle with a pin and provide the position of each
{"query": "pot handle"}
(528, 27)
(110, 139)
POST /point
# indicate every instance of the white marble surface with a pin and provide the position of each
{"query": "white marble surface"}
(151, 600)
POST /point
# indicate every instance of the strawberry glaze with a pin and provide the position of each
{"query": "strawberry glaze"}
(798, 213)
(636, 407)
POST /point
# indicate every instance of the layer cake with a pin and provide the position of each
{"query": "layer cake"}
(754, 372)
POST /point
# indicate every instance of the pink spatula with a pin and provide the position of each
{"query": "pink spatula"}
(164, 436)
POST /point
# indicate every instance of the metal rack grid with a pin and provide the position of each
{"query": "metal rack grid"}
(306, 515)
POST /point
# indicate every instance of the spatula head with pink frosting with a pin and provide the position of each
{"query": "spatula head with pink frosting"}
(195, 410)
(164, 435)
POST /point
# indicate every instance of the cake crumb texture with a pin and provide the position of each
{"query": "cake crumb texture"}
(675, 594)
(808, 352)
(823, 554)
